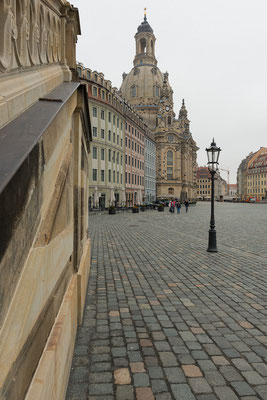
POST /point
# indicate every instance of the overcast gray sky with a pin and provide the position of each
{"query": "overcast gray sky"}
(215, 52)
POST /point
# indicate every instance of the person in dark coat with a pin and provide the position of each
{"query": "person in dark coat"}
(186, 203)
(178, 206)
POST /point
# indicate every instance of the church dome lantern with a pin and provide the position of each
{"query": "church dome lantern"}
(144, 26)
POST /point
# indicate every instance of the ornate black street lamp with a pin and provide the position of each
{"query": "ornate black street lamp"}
(213, 153)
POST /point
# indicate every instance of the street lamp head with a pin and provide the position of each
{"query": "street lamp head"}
(213, 153)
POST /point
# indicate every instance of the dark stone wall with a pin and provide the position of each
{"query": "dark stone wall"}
(20, 204)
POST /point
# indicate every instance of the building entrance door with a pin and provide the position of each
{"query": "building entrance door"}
(117, 199)
(102, 201)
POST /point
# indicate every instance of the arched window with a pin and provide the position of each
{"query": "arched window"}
(133, 91)
(169, 120)
(143, 45)
(171, 190)
(169, 157)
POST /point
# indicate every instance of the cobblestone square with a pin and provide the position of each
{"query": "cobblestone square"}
(165, 319)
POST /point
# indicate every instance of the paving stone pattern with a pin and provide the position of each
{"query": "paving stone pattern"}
(164, 319)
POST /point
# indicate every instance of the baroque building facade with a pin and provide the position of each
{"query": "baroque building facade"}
(204, 185)
(252, 176)
(118, 170)
(149, 91)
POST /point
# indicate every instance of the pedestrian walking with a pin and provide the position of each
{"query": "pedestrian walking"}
(172, 206)
(186, 203)
(178, 207)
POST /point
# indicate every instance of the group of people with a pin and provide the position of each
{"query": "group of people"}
(176, 204)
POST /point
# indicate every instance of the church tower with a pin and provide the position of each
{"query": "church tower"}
(145, 45)
(149, 91)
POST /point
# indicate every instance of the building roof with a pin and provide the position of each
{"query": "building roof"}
(260, 160)
(144, 27)
(203, 173)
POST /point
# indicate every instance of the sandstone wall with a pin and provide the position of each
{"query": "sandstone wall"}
(44, 144)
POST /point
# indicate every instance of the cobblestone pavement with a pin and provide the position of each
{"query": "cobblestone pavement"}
(165, 319)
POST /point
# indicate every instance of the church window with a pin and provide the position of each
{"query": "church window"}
(171, 190)
(169, 157)
(169, 120)
(133, 91)
(156, 91)
(169, 173)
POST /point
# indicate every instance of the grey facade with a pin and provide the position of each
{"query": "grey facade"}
(150, 169)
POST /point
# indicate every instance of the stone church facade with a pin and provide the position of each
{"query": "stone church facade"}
(149, 91)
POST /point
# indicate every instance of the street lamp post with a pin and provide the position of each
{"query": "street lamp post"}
(213, 153)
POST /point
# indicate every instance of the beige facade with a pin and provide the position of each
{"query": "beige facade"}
(149, 91)
(44, 249)
(242, 178)
(256, 176)
(204, 185)
(117, 161)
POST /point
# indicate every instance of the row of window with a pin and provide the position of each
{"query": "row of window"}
(102, 136)
(102, 176)
(102, 155)
(97, 92)
(204, 180)
(150, 185)
(134, 90)
(203, 192)
(135, 146)
(102, 116)
(257, 183)
(204, 186)
(135, 162)
(134, 179)
(135, 132)
(259, 190)
(150, 158)
(150, 171)
(150, 145)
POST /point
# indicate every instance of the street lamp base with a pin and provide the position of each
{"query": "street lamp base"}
(212, 247)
